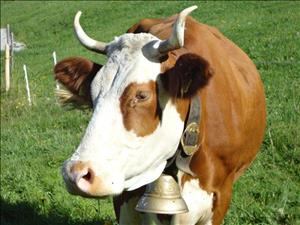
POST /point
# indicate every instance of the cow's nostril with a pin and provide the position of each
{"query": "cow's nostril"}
(88, 176)
(81, 171)
(86, 180)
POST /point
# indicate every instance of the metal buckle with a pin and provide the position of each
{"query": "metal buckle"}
(190, 139)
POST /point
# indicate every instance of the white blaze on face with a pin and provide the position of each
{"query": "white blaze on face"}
(119, 156)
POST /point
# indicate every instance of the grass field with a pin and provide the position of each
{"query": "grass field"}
(36, 140)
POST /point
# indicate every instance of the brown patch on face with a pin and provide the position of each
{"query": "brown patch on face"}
(140, 108)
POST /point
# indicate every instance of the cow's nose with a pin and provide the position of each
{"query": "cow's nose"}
(81, 178)
(82, 170)
(82, 175)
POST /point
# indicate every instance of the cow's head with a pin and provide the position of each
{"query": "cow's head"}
(137, 121)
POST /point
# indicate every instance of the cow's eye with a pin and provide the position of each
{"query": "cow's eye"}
(142, 95)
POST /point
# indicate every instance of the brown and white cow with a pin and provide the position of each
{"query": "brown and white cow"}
(141, 99)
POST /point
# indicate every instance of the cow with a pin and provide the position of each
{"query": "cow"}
(141, 101)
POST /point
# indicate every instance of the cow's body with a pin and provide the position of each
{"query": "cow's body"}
(232, 124)
(231, 127)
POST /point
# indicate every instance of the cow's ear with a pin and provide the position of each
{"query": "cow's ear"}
(189, 73)
(76, 75)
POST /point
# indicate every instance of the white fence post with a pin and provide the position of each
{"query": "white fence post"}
(8, 37)
(11, 52)
(7, 68)
(9, 41)
(27, 85)
(54, 62)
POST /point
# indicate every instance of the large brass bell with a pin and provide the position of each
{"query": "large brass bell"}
(162, 197)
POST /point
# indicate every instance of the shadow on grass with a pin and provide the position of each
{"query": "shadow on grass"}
(24, 213)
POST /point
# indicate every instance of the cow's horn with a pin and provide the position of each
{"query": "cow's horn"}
(85, 40)
(177, 37)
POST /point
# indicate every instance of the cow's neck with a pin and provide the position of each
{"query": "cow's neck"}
(190, 140)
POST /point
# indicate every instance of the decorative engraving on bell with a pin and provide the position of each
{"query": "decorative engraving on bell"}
(190, 139)
(162, 197)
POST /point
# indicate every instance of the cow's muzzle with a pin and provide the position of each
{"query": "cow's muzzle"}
(81, 179)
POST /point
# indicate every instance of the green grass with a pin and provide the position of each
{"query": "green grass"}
(36, 140)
